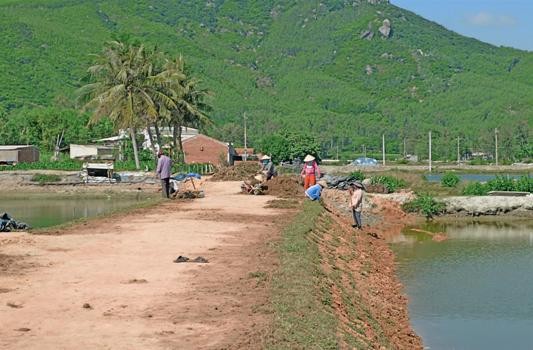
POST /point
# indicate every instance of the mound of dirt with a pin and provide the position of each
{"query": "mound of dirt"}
(237, 172)
(285, 186)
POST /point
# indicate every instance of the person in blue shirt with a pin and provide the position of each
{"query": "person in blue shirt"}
(314, 192)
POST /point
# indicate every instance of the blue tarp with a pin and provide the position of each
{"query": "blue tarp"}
(365, 161)
(182, 176)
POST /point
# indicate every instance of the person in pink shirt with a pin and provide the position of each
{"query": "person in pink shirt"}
(310, 171)
(163, 171)
(356, 203)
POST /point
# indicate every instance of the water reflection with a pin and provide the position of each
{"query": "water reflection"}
(474, 290)
(40, 210)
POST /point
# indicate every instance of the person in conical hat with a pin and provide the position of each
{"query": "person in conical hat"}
(356, 203)
(310, 171)
(267, 167)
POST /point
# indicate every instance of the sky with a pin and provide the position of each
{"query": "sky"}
(498, 22)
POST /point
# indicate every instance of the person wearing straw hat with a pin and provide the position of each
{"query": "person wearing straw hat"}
(267, 167)
(314, 192)
(310, 171)
(356, 203)
(163, 171)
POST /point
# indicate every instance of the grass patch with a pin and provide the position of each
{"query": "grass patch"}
(282, 204)
(261, 276)
(303, 318)
(44, 178)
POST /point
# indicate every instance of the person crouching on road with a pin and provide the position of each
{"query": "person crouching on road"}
(310, 171)
(314, 192)
(356, 203)
(267, 167)
(164, 166)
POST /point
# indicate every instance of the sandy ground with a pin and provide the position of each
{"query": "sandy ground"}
(112, 283)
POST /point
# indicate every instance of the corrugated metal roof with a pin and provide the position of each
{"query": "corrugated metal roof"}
(14, 147)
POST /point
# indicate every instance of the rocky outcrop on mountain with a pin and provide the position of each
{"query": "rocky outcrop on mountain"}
(385, 29)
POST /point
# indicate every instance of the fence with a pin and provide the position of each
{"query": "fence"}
(200, 168)
(494, 147)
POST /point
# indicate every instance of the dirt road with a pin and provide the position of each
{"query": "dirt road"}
(112, 283)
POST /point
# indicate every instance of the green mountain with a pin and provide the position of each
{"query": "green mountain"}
(315, 66)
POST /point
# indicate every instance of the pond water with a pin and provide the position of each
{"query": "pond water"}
(472, 291)
(473, 177)
(45, 210)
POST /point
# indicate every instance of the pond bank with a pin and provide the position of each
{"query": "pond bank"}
(366, 294)
(488, 205)
(70, 181)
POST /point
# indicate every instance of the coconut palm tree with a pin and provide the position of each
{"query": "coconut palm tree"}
(191, 111)
(125, 89)
(190, 106)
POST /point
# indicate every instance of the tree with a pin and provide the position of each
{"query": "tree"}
(44, 126)
(125, 88)
(189, 101)
(286, 146)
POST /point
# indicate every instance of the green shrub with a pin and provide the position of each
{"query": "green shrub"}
(500, 183)
(450, 180)
(425, 204)
(44, 178)
(402, 161)
(475, 189)
(390, 182)
(63, 164)
(357, 175)
(524, 184)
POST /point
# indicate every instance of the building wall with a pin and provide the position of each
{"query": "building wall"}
(9, 156)
(82, 151)
(204, 149)
(28, 155)
(19, 154)
(90, 151)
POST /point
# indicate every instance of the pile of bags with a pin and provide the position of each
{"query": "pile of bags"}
(339, 182)
(8, 224)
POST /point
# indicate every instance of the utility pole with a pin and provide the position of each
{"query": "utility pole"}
(496, 144)
(458, 153)
(430, 151)
(404, 148)
(245, 155)
(383, 147)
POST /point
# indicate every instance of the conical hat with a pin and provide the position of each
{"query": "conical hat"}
(265, 157)
(309, 158)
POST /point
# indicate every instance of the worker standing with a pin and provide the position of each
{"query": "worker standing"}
(267, 167)
(164, 168)
(310, 171)
(356, 203)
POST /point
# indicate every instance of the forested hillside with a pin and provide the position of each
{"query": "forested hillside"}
(323, 67)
